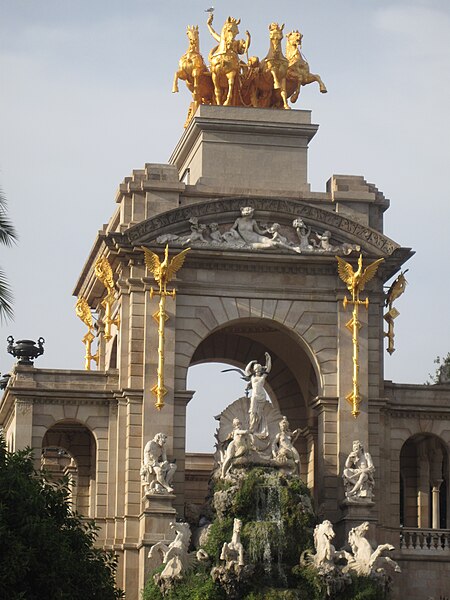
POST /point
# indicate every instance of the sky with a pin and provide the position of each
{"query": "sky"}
(85, 97)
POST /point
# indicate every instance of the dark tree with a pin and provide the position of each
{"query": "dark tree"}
(47, 551)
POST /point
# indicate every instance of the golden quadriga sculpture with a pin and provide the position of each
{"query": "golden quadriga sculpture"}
(230, 81)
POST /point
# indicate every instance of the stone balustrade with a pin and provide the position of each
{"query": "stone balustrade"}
(425, 540)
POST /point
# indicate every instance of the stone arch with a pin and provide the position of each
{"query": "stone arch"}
(78, 441)
(295, 378)
(424, 472)
(314, 329)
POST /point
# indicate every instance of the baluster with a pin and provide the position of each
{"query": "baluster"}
(422, 540)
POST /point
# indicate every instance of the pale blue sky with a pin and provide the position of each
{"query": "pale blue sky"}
(85, 97)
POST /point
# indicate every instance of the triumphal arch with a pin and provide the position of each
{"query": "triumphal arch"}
(261, 276)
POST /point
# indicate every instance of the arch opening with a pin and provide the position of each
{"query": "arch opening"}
(424, 478)
(291, 385)
(69, 448)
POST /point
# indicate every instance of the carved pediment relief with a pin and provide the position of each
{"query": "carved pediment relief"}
(260, 225)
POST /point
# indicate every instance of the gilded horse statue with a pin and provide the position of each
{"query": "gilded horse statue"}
(224, 61)
(193, 70)
(273, 72)
(298, 72)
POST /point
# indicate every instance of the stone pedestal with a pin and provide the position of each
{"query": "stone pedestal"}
(154, 526)
(254, 149)
(353, 514)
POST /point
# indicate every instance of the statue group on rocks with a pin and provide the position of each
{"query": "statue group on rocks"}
(246, 233)
(252, 433)
(336, 567)
(232, 81)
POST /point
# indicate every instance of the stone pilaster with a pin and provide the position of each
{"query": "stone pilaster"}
(23, 418)
(327, 457)
(182, 398)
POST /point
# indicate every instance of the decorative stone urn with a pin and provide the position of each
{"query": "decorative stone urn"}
(25, 350)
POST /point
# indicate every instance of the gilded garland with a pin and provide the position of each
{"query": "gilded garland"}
(232, 81)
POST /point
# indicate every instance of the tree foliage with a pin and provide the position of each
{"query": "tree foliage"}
(442, 370)
(47, 550)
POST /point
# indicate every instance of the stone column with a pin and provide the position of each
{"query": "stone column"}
(327, 458)
(182, 398)
(423, 486)
(311, 475)
(436, 459)
(436, 515)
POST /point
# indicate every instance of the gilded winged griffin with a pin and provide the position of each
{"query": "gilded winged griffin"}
(164, 271)
(356, 280)
(396, 289)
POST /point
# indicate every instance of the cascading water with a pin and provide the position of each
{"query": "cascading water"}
(266, 540)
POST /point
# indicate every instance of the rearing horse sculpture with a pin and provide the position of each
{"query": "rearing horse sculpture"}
(224, 60)
(273, 69)
(193, 70)
(298, 72)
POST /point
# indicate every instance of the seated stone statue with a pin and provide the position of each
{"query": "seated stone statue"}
(156, 471)
(240, 444)
(283, 450)
(358, 474)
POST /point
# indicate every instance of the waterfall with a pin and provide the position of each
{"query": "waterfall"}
(267, 538)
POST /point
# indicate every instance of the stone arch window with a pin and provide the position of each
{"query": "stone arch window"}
(69, 448)
(424, 480)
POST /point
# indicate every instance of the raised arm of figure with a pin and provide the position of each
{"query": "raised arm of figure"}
(268, 362)
(249, 368)
(215, 35)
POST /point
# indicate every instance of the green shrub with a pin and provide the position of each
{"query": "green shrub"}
(195, 586)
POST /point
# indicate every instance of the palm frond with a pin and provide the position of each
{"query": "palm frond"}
(6, 297)
(8, 234)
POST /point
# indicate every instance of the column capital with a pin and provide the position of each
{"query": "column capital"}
(377, 404)
(325, 404)
(183, 396)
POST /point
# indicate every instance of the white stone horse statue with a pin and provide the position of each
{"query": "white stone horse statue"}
(324, 558)
(363, 559)
(175, 556)
(233, 552)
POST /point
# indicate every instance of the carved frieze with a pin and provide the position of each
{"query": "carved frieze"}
(418, 414)
(282, 223)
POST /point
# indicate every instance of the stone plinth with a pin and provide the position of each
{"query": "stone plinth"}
(154, 526)
(353, 514)
(246, 148)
